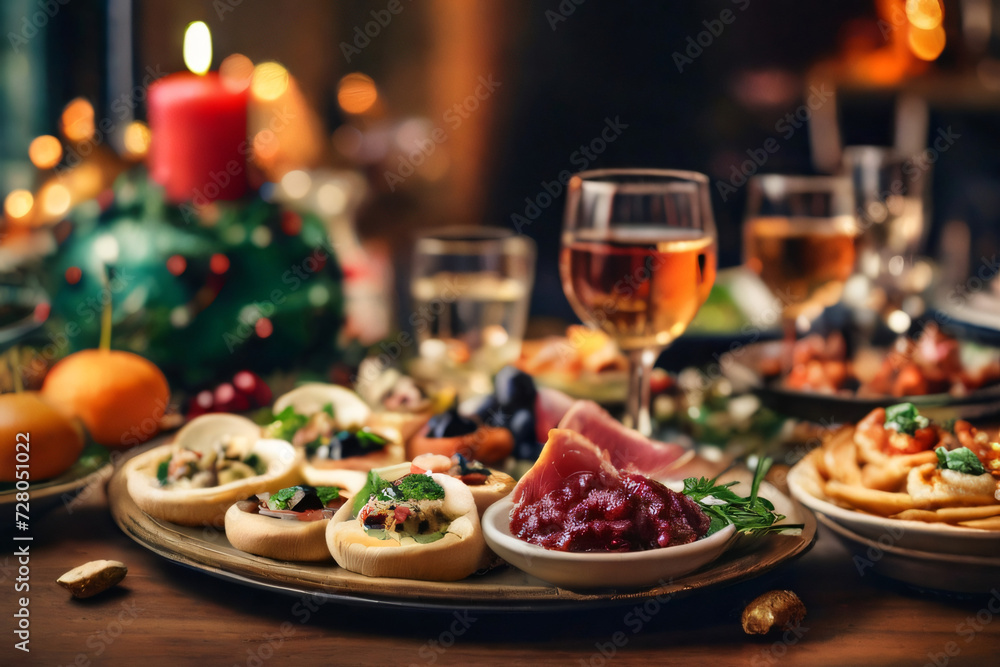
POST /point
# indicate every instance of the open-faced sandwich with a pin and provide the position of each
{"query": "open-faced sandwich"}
(214, 461)
(289, 524)
(328, 423)
(487, 485)
(418, 526)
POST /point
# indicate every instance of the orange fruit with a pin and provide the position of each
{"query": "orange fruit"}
(119, 396)
(35, 434)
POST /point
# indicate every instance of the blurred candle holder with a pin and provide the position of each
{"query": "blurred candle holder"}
(471, 289)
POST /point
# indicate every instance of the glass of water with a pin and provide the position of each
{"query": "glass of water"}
(471, 288)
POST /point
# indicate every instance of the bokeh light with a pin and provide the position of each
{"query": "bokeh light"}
(56, 200)
(263, 327)
(926, 44)
(296, 183)
(136, 139)
(218, 264)
(18, 204)
(236, 72)
(924, 14)
(73, 275)
(176, 264)
(269, 82)
(198, 47)
(45, 151)
(78, 120)
(356, 93)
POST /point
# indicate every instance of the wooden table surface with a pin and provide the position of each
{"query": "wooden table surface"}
(167, 614)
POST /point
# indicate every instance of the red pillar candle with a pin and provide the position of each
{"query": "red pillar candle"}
(199, 137)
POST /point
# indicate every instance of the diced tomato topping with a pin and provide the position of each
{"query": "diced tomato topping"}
(401, 514)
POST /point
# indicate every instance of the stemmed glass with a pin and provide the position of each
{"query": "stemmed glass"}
(638, 260)
(892, 206)
(799, 237)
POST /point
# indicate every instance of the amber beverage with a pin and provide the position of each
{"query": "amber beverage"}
(804, 261)
(641, 287)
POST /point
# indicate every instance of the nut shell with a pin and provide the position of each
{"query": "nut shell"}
(92, 578)
(774, 610)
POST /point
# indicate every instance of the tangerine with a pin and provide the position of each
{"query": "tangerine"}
(35, 434)
(119, 396)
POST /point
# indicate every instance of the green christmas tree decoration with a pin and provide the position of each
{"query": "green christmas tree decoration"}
(200, 291)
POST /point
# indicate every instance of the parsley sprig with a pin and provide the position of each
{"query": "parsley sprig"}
(753, 514)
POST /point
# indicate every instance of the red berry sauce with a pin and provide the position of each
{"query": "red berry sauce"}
(592, 512)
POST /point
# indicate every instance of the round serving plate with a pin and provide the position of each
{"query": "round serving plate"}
(504, 589)
(922, 536)
(740, 366)
(923, 569)
(90, 471)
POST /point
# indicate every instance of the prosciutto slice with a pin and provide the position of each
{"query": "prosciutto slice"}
(573, 499)
(626, 449)
(566, 453)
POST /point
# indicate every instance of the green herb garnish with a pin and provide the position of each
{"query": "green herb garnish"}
(162, 471)
(960, 460)
(904, 418)
(753, 514)
(327, 493)
(370, 440)
(254, 462)
(374, 486)
(328, 409)
(419, 487)
(285, 424)
(279, 500)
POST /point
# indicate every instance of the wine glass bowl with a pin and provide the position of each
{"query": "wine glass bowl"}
(638, 260)
(799, 237)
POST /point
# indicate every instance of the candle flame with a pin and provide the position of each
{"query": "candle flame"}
(198, 47)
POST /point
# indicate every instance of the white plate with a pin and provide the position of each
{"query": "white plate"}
(939, 538)
(923, 569)
(583, 571)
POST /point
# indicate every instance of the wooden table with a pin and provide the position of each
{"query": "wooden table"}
(166, 614)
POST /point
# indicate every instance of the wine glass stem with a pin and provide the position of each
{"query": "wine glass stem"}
(640, 369)
(790, 330)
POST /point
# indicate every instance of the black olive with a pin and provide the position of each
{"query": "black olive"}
(305, 498)
(514, 388)
(450, 424)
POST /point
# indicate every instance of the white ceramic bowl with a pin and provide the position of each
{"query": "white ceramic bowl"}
(923, 569)
(939, 538)
(582, 571)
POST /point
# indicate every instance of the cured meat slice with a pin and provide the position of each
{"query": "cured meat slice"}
(627, 449)
(566, 453)
(573, 499)
(551, 406)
